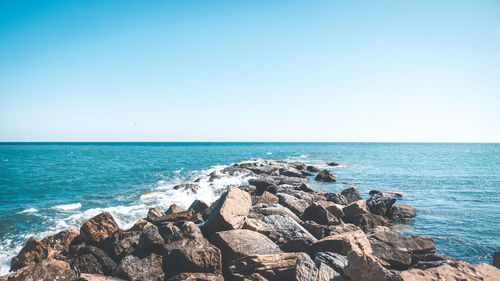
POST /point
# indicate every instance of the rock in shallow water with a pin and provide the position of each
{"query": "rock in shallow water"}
(402, 213)
(325, 176)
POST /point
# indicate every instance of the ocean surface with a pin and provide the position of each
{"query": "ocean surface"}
(45, 188)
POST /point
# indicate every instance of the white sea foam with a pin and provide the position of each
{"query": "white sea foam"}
(27, 211)
(303, 156)
(67, 207)
(269, 153)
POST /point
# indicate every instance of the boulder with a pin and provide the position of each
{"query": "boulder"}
(154, 213)
(286, 180)
(297, 206)
(99, 228)
(369, 221)
(261, 210)
(334, 209)
(319, 214)
(45, 271)
(174, 209)
(313, 169)
(402, 213)
(280, 267)
(189, 187)
(239, 243)
(291, 172)
(306, 188)
(91, 259)
(267, 198)
(61, 241)
(298, 165)
(326, 273)
(228, 212)
(289, 234)
(177, 217)
(396, 249)
(258, 226)
(133, 268)
(198, 206)
(309, 197)
(262, 184)
(458, 270)
(33, 252)
(386, 193)
(170, 232)
(122, 243)
(333, 164)
(380, 205)
(197, 277)
(354, 209)
(362, 267)
(351, 194)
(319, 231)
(344, 243)
(191, 255)
(190, 230)
(336, 198)
(87, 264)
(325, 176)
(306, 173)
(150, 239)
(97, 277)
(342, 228)
(138, 225)
(336, 261)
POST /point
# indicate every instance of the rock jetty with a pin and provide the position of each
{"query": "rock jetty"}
(275, 228)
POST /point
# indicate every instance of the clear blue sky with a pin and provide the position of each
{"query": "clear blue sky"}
(249, 70)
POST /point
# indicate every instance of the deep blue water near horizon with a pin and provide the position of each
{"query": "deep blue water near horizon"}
(47, 187)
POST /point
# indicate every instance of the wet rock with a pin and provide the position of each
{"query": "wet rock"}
(61, 241)
(45, 271)
(334, 209)
(136, 269)
(325, 176)
(291, 172)
(363, 267)
(228, 212)
(191, 255)
(153, 214)
(336, 198)
(267, 198)
(174, 209)
(289, 234)
(297, 206)
(239, 243)
(336, 261)
(198, 206)
(196, 277)
(344, 243)
(99, 228)
(313, 169)
(402, 213)
(355, 209)
(190, 187)
(458, 270)
(285, 266)
(351, 194)
(122, 243)
(33, 252)
(380, 205)
(369, 221)
(334, 164)
(262, 184)
(319, 214)
(150, 239)
(261, 210)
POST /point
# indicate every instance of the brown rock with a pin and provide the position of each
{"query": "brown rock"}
(458, 270)
(261, 210)
(297, 206)
(173, 209)
(150, 239)
(189, 255)
(122, 243)
(176, 217)
(99, 228)
(355, 209)
(238, 243)
(256, 225)
(97, 277)
(228, 212)
(344, 243)
(262, 184)
(369, 221)
(45, 271)
(351, 194)
(361, 267)
(325, 176)
(61, 241)
(333, 208)
(326, 273)
(133, 268)
(198, 206)
(154, 213)
(313, 169)
(91, 259)
(319, 214)
(33, 252)
(138, 225)
(267, 198)
(402, 213)
(197, 277)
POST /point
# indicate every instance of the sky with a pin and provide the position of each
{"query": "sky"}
(100, 70)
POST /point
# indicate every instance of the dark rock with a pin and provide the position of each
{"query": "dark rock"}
(261, 210)
(122, 243)
(325, 176)
(261, 184)
(291, 172)
(190, 230)
(99, 228)
(138, 225)
(107, 265)
(386, 193)
(344, 243)
(61, 241)
(369, 221)
(333, 164)
(319, 214)
(313, 169)
(150, 239)
(298, 165)
(342, 228)
(305, 187)
(309, 197)
(153, 214)
(174, 209)
(45, 271)
(317, 230)
(87, 264)
(176, 217)
(336, 198)
(197, 277)
(297, 206)
(429, 264)
(334, 209)
(355, 209)
(136, 269)
(228, 212)
(191, 255)
(239, 243)
(190, 187)
(170, 232)
(380, 205)
(402, 213)
(32, 252)
(267, 198)
(198, 206)
(351, 194)
(290, 235)
(306, 174)
(334, 260)
(496, 259)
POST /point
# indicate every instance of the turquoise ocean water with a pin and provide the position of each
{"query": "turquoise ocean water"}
(45, 188)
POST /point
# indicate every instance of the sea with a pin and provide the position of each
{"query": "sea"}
(49, 187)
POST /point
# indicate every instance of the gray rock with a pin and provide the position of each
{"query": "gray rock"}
(351, 194)
(136, 269)
(334, 260)
(325, 176)
(297, 206)
(289, 234)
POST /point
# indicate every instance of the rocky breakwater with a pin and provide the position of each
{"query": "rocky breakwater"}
(275, 228)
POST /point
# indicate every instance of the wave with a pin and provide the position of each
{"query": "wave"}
(27, 211)
(67, 207)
